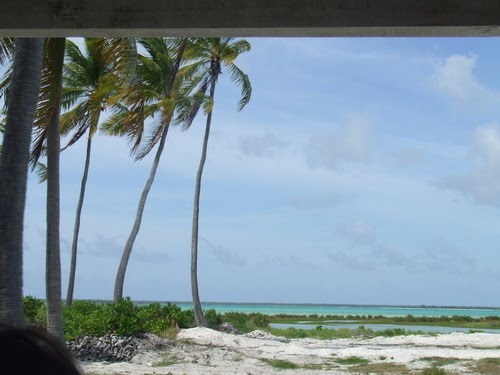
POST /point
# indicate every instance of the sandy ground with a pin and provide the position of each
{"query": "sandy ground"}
(204, 351)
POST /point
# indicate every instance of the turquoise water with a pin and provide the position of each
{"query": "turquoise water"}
(292, 309)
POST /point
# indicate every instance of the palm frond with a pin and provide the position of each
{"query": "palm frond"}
(77, 121)
(7, 47)
(190, 106)
(42, 172)
(50, 94)
(4, 87)
(151, 140)
(242, 80)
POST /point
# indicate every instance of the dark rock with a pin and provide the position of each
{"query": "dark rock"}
(112, 348)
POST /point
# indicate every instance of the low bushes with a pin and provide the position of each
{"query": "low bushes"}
(88, 318)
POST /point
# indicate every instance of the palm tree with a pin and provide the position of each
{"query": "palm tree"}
(14, 160)
(90, 79)
(2, 130)
(153, 91)
(213, 55)
(48, 135)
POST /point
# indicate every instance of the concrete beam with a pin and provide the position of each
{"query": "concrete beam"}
(249, 18)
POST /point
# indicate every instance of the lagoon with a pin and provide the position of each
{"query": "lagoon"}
(345, 310)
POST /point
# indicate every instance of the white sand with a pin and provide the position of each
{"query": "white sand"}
(199, 351)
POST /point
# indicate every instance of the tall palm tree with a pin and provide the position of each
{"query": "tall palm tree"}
(14, 160)
(48, 135)
(151, 92)
(90, 79)
(213, 54)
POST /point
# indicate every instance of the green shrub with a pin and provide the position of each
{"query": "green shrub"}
(35, 311)
(125, 320)
(87, 318)
(160, 319)
(213, 318)
(246, 322)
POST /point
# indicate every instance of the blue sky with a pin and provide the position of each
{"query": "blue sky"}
(362, 171)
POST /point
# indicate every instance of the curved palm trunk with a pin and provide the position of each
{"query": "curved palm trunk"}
(198, 313)
(76, 229)
(120, 275)
(14, 161)
(53, 261)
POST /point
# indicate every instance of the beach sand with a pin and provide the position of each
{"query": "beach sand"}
(199, 351)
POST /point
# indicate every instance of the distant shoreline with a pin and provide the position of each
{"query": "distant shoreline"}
(308, 304)
(337, 305)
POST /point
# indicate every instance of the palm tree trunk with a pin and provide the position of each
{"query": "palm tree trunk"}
(76, 230)
(120, 275)
(198, 313)
(53, 261)
(122, 269)
(14, 162)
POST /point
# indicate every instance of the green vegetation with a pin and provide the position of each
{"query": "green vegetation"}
(281, 364)
(165, 362)
(440, 361)
(246, 322)
(353, 360)
(128, 319)
(125, 318)
(324, 334)
(380, 368)
(487, 366)
(434, 371)
(341, 333)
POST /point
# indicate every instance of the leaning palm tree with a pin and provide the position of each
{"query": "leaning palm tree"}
(213, 54)
(14, 160)
(47, 136)
(90, 79)
(152, 92)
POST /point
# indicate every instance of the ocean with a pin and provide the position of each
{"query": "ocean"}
(308, 309)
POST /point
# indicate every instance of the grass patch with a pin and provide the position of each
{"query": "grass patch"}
(487, 366)
(323, 334)
(316, 366)
(440, 361)
(281, 364)
(353, 360)
(165, 362)
(343, 333)
(380, 368)
(434, 371)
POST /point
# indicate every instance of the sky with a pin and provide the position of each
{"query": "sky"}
(363, 171)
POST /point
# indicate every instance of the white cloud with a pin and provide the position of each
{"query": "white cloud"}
(455, 76)
(482, 183)
(351, 143)
(487, 146)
